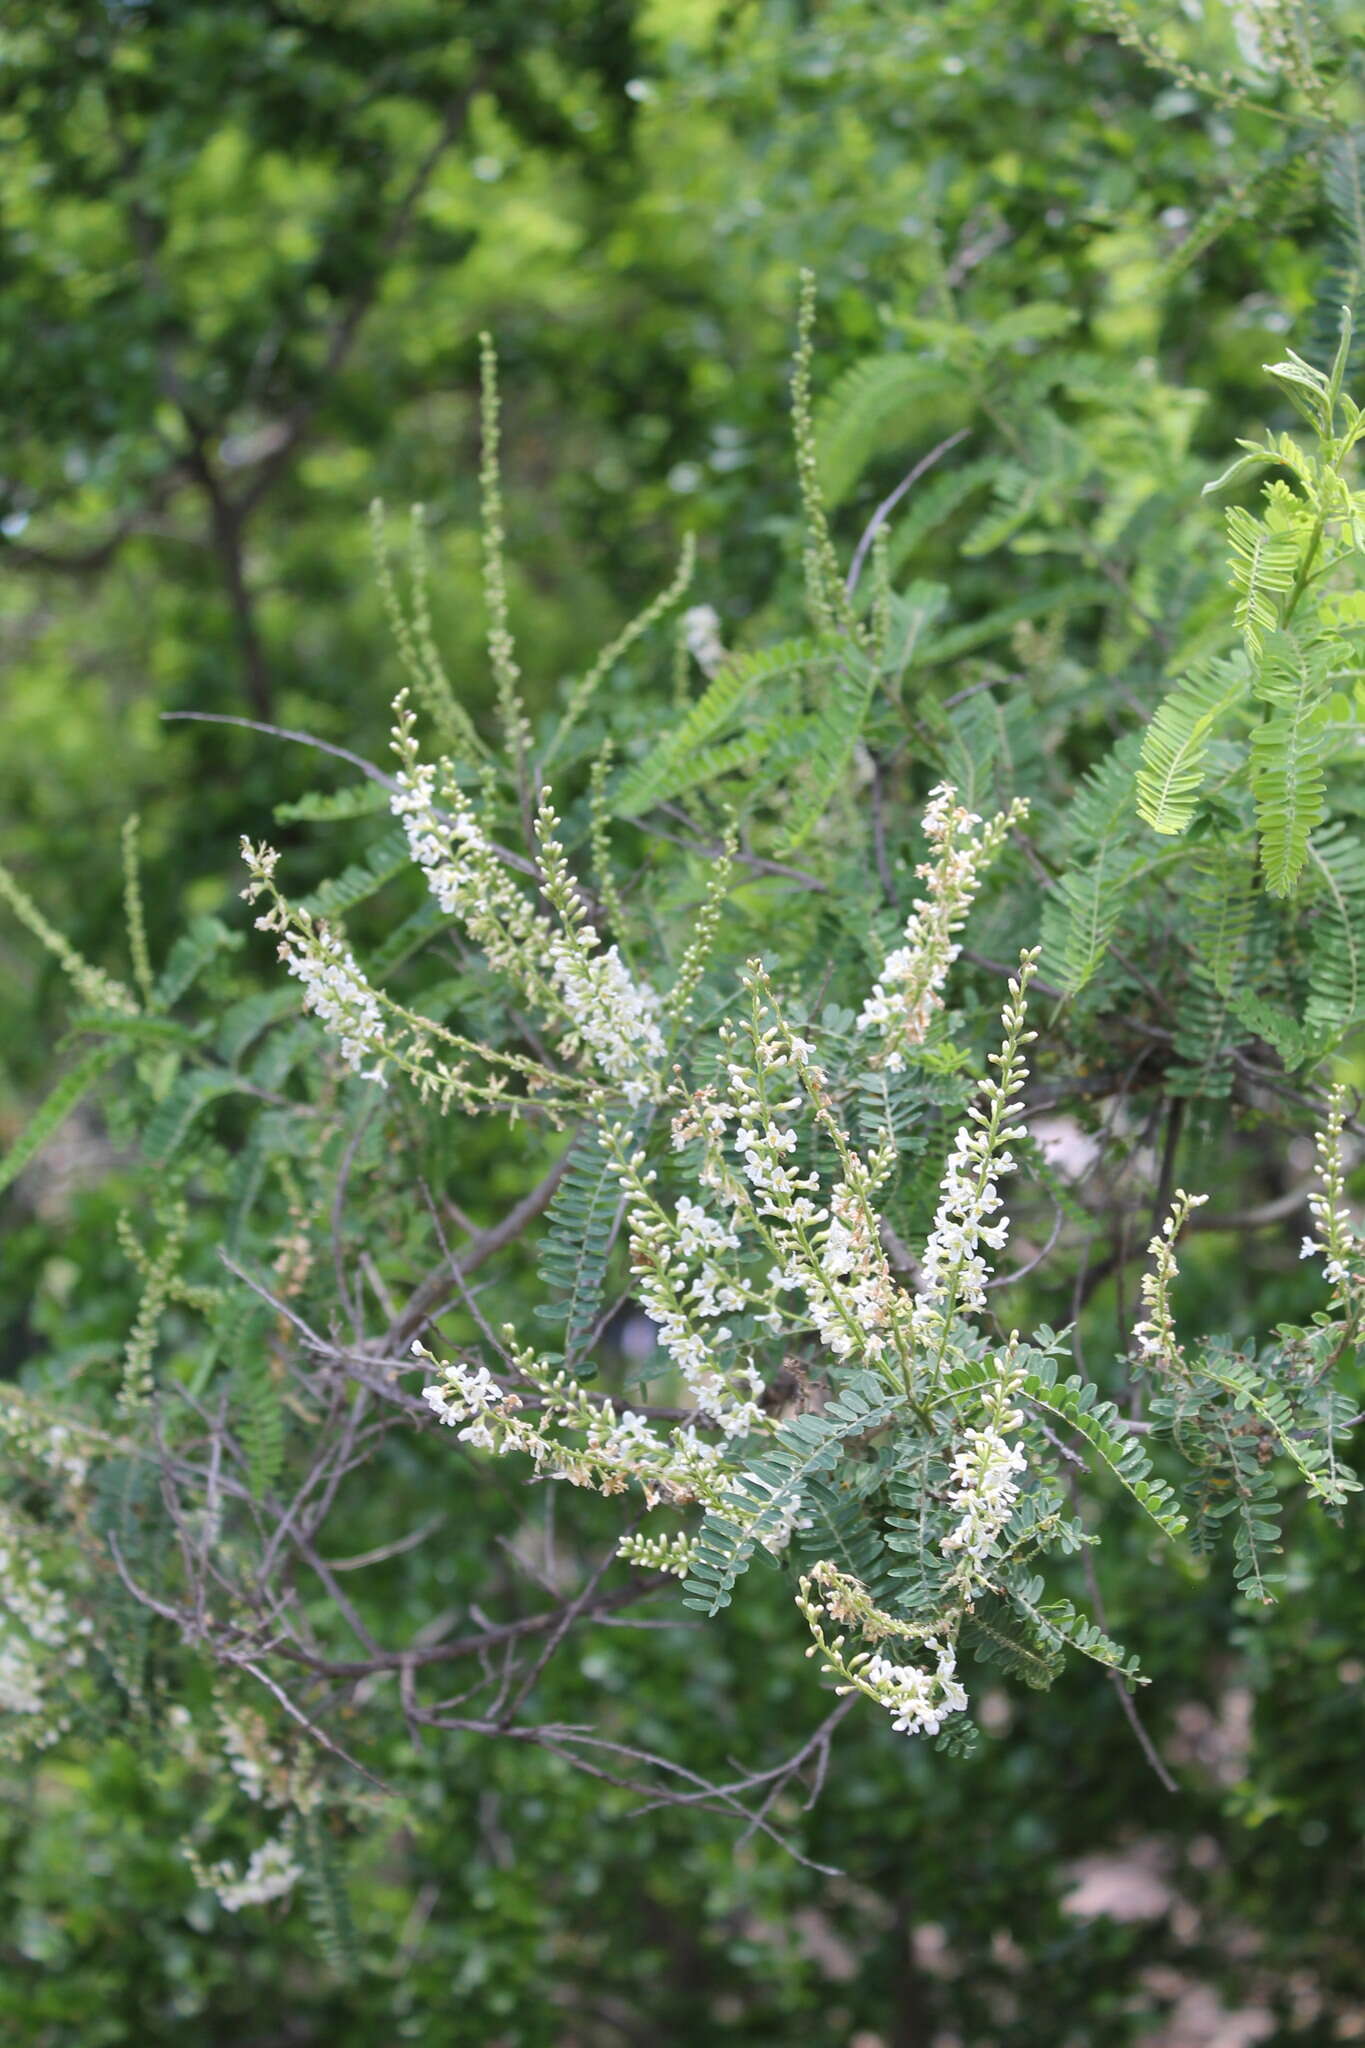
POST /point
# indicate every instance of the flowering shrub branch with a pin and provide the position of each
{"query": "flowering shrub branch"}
(748, 1286)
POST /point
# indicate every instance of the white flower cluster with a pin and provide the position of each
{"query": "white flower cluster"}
(334, 988)
(701, 633)
(336, 991)
(41, 1642)
(908, 991)
(614, 1448)
(450, 849)
(953, 1269)
(1336, 1241)
(919, 1702)
(60, 1449)
(1155, 1334)
(830, 1253)
(271, 1873)
(681, 1287)
(984, 1486)
(21, 1684)
(283, 1778)
(771, 1241)
(953, 1273)
(263, 1769)
(769, 1230)
(614, 1018)
(852, 1304)
(63, 1454)
(462, 870)
(611, 1017)
(469, 1395)
(607, 1015)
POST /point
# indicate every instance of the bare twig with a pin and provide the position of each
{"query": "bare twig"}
(889, 504)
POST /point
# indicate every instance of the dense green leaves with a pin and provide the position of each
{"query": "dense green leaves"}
(1176, 744)
(1081, 1408)
(760, 1508)
(583, 1218)
(54, 1111)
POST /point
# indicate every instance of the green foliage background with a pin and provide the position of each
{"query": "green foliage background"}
(244, 289)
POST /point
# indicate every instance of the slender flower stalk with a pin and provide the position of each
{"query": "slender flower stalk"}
(42, 1641)
(134, 911)
(586, 688)
(95, 988)
(953, 1271)
(570, 1434)
(1336, 1240)
(692, 966)
(608, 1018)
(1155, 1336)
(827, 599)
(502, 657)
(414, 638)
(908, 992)
(847, 1602)
(984, 1478)
(918, 1701)
(599, 840)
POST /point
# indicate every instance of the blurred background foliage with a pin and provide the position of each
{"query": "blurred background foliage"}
(248, 251)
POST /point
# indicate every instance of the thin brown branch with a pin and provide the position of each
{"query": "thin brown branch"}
(889, 504)
(435, 1289)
